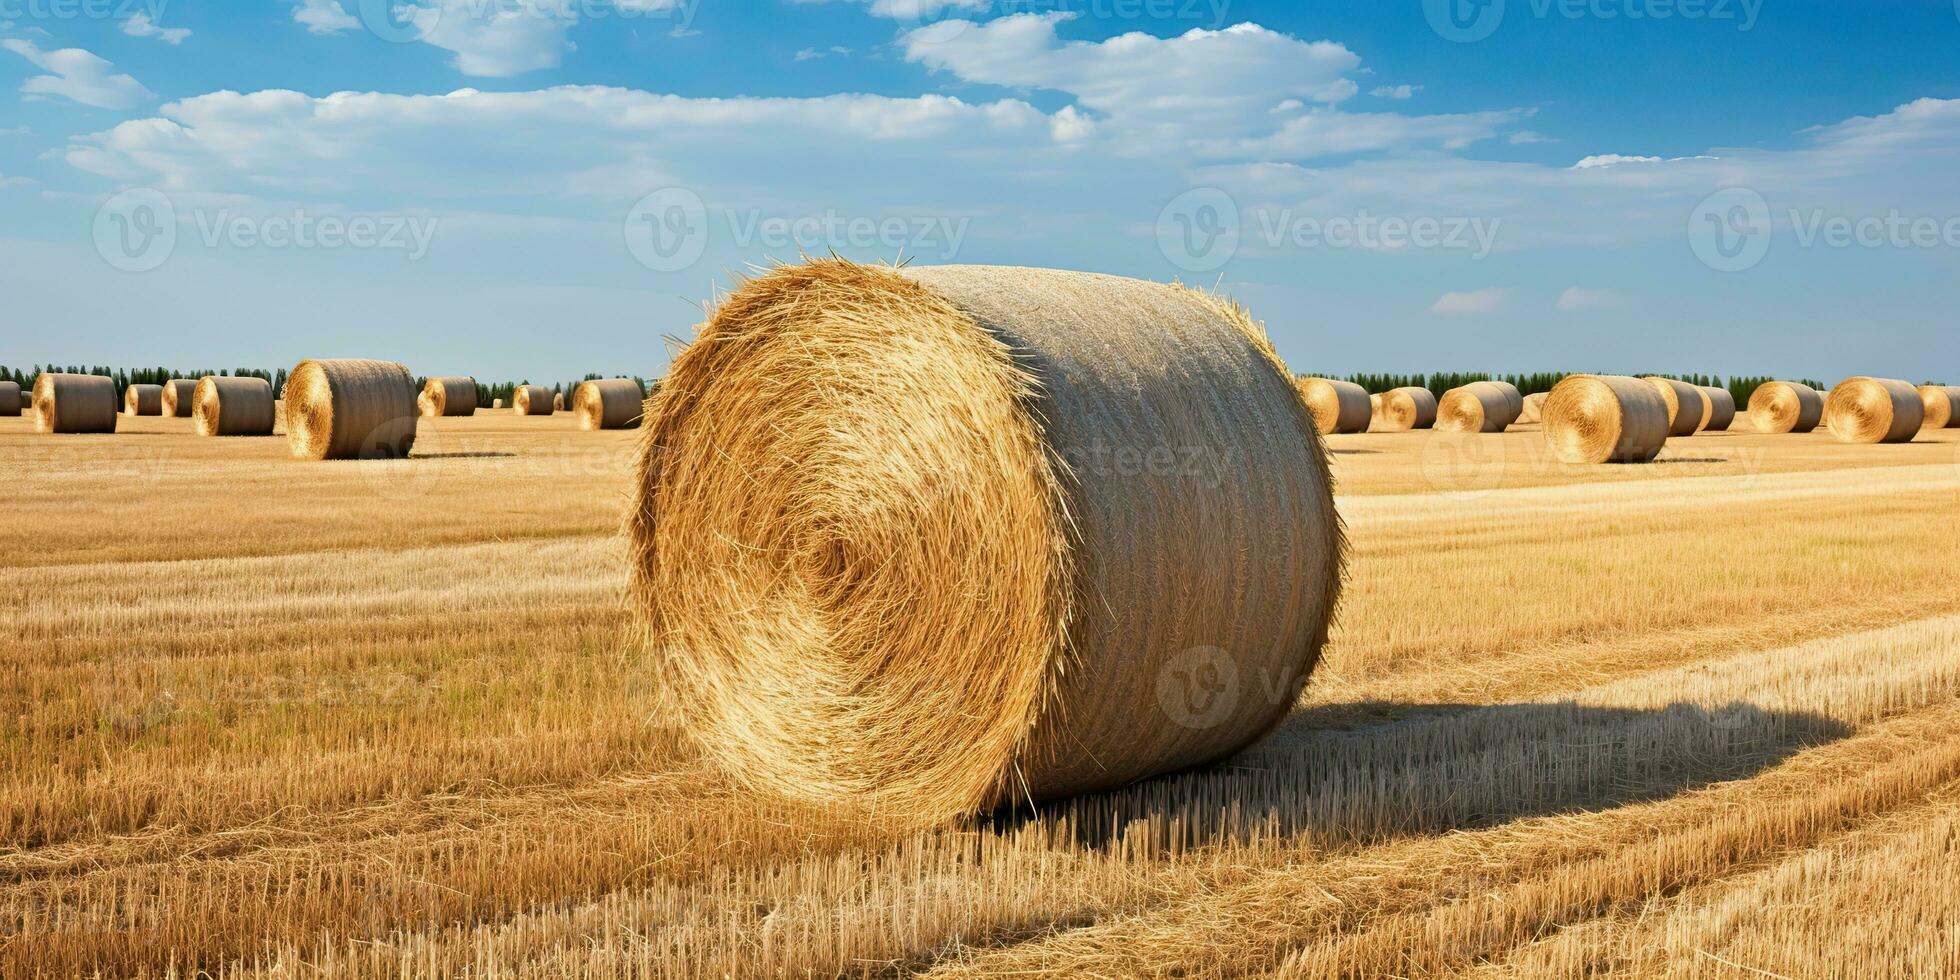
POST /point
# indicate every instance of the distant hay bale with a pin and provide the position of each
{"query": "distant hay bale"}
(10, 399)
(1605, 419)
(1687, 406)
(1408, 408)
(143, 400)
(1942, 406)
(558, 402)
(1534, 407)
(1375, 405)
(1481, 406)
(233, 407)
(531, 400)
(447, 397)
(928, 541)
(1721, 409)
(612, 404)
(1786, 406)
(1337, 406)
(1875, 410)
(350, 408)
(74, 403)
(177, 396)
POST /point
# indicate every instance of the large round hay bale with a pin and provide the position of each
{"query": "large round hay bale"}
(1534, 407)
(447, 396)
(1605, 419)
(531, 400)
(1408, 408)
(178, 393)
(10, 399)
(74, 403)
(926, 541)
(1942, 406)
(143, 400)
(611, 404)
(1874, 410)
(233, 407)
(1721, 409)
(350, 408)
(1686, 405)
(1337, 406)
(1481, 406)
(1786, 406)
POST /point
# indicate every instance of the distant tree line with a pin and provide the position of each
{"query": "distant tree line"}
(486, 394)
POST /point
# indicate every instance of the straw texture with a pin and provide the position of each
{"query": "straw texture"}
(1942, 406)
(612, 404)
(232, 407)
(1408, 408)
(350, 409)
(10, 398)
(177, 396)
(932, 540)
(1721, 409)
(1686, 405)
(143, 400)
(1481, 406)
(1786, 406)
(1874, 410)
(1605, 419)
(531, 400)
(447, 396)
(558, 402)
(74, 403)
(1337, 406)
(1534, 407)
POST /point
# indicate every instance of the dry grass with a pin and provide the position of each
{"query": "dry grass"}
(261, 739)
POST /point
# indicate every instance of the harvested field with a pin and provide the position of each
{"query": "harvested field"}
(262, 739)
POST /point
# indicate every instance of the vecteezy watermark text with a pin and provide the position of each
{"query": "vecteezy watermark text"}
(1468, 21)
(81, 9)
(1731, 229)
(670, 229)
(138, 230)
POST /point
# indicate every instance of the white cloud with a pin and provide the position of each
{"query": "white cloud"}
(1611, 160)
(919, 10)
(1577, 298)
(812, 54)
(1478, 301)
(140, 25)
(1399, 93)
(1525, 137)
(497, 40)
(78, 75)
(324, 17)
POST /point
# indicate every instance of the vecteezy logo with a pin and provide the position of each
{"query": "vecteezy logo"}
(136, 230)
(667, 231)
(397, 22)
(1465, 21)
(1464, 465)
(1198, 688)
(1199, 230)
(1730, 229)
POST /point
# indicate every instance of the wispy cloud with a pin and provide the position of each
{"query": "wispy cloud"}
(1478, 301)
(79, 76)
(139, 24)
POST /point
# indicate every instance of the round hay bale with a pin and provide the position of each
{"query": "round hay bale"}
(1337, 406)
(10, 399)
(531, 400)
(447, 396)
(558, 402)
(143, 400)
(1605, 419)
(1686, 405)
(1481, 406)
(1375, 405)
(1786, 406)
(74, 403)
(1942, 406)
(1874, 410)
(1721, 409)
(233, 407)
(350, 408)
(611, 404)
(178, 394)
(1534, 407)
(1408, 408)
(902, 539)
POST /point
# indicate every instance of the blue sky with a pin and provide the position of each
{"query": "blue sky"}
(533, 188)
